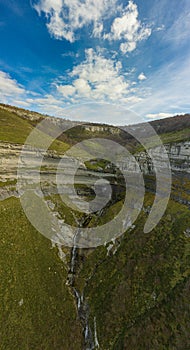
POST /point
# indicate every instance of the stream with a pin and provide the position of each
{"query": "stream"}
(90, 340)
(83, 312)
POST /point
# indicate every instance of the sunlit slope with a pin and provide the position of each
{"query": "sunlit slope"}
(16, 124)
(36, 308)
(15, 129)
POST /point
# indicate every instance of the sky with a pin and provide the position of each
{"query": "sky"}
(62, 54)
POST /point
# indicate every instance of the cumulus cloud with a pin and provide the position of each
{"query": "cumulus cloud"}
(97, 78)
(128, 47)
(128, 28)
(66, 90)
(9, 87)
(47, 104)
(142, 76)
(11, 91)
(65, 17)
(98, 29)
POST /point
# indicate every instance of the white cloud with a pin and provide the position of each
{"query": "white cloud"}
(128, 28)
(159, 115)
(128, 47)
(109, 113)
(47, 99)
(47, 104)
(97, 78)
(98, 29)
(65, 17)
(142, 76)
(66, 90)
(160, 28)
(82, 87)
(9, 87)
(21, 103)
(126, 25)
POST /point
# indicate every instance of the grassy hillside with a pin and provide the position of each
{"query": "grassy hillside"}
(15, 129)
(36, 308)
(138, 291)
(139, 295)
(168, 138)
(17, 123)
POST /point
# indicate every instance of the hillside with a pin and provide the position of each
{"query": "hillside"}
(21, 122)
(131, 293)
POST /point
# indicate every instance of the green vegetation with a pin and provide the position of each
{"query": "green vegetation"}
(138, 288)
(166, 138)
(140, 282)
(37, 310)
(139, 293)
(8, 183)
(14, 129)
(176, 136)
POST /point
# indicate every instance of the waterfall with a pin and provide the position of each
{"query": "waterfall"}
(74, 252)
(90, 339)
(95, 335)
(89, 343)
(83, 314)
(79, 298)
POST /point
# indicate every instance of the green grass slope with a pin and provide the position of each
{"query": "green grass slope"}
(15, 129)
(36, 308)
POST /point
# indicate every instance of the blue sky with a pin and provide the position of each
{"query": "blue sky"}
(61, 53)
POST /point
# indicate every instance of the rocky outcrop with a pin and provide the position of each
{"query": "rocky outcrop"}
(9, 157)
(102, 129)
(178, 153)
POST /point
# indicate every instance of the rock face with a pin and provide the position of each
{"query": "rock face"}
(9, 156)
(178, 153)
(102, 128)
